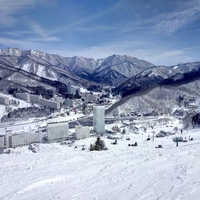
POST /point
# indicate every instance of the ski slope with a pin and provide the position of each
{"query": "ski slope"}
(122, 172)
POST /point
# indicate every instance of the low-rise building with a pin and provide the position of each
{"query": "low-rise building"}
(21, 139)
(2, 141)
(73, 90)
(8, 138)
(89, 97)
(82, 132)
(85, 94)
(57, 131)
(23, 96)
(4, 100)
(68, 102)
(35, 98)
(59, 99)
(50, 104)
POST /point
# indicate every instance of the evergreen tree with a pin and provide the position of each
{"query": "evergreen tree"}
(98, 146)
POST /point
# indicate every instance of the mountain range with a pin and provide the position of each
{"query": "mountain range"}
(128, 75)
(111, 71)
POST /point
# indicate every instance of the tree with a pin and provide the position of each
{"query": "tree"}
(77, 95)
(124, 131)
(98, 146)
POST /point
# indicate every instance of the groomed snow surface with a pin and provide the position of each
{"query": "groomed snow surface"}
(123, 172)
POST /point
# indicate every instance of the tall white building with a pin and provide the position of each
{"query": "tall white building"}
(69, 90)
(99, 119)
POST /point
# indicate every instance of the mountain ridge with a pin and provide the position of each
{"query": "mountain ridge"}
(130, 76)
(87, 68)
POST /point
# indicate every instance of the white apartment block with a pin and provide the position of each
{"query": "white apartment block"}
(82, 132)
(4, 100)
(2, 141)
(8, 139)
(19, 139)
(57, 131)
(99, 119)
(85, 94)
(59, 99)
(22, 139)
(35, 98)
(68, 102)
(69, 88)
(73, 90)
(89, 97)
(50, 104)
(23, 96)
(39, 100)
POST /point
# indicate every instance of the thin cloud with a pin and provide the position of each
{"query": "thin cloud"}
(82, 21)
(24, 44)
(9, 9)
(41, 34)
(169, 57)
(36, 28)
(172, 22)
(44, 39)
(175, 17)
(28, 43)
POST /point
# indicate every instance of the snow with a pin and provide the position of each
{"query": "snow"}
(26, 67)
(175, 67)
(2, 111)
(22, 104)
(122, 172)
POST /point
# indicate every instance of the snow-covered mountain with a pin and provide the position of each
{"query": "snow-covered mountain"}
(117, 68)
(181, 78)
(131, 75)
(112, 70)
(35, 62)
(160, 75)
(162, 99)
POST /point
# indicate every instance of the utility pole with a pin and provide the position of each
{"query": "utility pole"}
(153, 135)
(176, 142)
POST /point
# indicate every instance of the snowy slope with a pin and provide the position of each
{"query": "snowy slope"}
(22, 104)
(159, 98)
(122, 172)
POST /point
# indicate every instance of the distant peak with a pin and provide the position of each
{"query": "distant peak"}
(11, 51)
(116, 55)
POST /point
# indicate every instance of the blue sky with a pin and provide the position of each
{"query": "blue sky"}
(164, 32)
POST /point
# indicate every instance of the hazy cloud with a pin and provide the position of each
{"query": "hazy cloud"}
(173, 21)
(9, 9)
